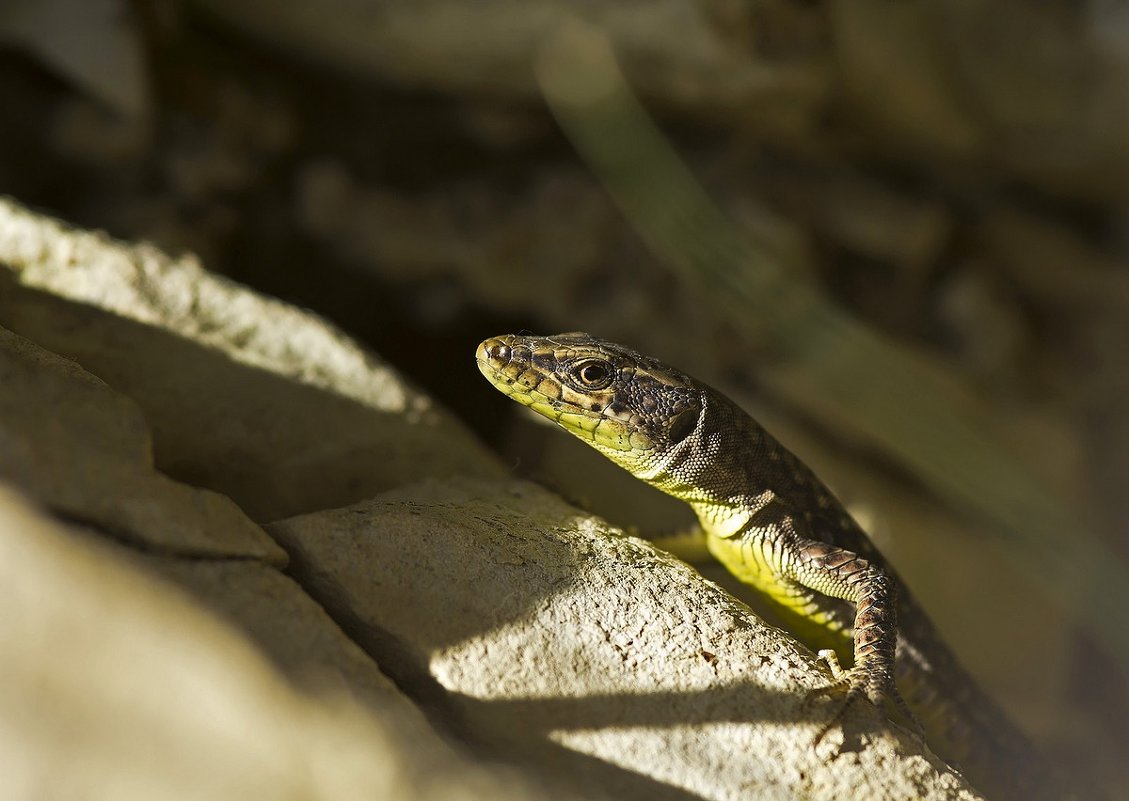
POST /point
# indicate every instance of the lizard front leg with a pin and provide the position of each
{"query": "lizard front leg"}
(840, 573)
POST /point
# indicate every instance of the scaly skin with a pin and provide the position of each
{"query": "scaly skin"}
(775, 526)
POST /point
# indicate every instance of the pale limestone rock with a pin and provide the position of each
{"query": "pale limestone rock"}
(514, 621)
(589, 654)
(246, 395)
(118, 686)
(82, 449)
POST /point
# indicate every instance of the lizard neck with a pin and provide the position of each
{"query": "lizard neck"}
(711, 468)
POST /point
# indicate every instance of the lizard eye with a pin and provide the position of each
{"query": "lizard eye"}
(593, 374)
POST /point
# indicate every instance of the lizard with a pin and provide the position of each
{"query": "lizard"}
(770, 521)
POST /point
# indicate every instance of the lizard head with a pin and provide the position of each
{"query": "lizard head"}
(632, 408)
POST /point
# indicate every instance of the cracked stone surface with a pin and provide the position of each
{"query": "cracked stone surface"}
(441, 631)
(77, 446)
(587, 653)
(246, 395)
(118, 685)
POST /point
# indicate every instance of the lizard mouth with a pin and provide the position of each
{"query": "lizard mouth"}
(513, 369)
(509, 367)
(529, 377)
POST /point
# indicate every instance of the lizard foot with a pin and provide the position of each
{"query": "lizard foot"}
(860, 685)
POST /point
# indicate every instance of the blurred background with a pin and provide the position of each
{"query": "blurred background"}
(897, 233)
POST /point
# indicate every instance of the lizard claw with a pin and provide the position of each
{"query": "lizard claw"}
(860, 685)
(855, 693)
(842, 681)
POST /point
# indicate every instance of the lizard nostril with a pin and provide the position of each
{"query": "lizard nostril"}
(494, 350)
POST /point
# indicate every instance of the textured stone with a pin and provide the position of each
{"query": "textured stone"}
(509, 619)
(550, 638)
(245, 395)
(118, 686)
(82, 449)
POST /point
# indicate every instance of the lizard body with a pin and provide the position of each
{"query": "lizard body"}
(773, 524)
